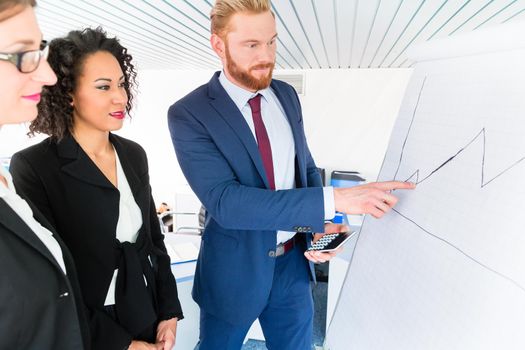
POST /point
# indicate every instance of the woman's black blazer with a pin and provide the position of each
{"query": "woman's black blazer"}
(83, 206)
(40, 307)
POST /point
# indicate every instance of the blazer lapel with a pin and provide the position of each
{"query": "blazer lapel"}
(227, 109)
(138, 188)
(293, 117)
(78, 164)
(12, 221)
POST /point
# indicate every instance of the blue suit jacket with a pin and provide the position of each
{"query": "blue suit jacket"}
(218, 155)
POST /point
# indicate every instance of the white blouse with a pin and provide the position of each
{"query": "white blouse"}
(21, 207)
(129, 221)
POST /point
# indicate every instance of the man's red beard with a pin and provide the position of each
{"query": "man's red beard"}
(245, 77)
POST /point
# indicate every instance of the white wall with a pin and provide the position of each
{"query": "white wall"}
(158, 90)
(348, 116)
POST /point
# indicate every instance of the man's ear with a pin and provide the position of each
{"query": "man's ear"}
(218, 45)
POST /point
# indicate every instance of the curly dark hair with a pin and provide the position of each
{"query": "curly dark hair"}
(67, 57)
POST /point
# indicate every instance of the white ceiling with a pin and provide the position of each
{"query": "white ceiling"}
(163, 34)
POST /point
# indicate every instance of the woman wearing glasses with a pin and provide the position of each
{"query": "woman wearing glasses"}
(39, 298)
(93, 186)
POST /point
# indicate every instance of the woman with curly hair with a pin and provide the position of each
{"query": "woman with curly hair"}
(93, 186)
(40, 303)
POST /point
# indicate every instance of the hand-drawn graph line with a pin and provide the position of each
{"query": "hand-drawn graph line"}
(483, 184)
(470, 257)
(481, 133)
(410, 128)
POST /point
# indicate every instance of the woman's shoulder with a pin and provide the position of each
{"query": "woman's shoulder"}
(125, 141)
(38, 150)
(132, 148)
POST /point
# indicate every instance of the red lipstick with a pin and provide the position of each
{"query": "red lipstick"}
(34, 97)
(118, 114)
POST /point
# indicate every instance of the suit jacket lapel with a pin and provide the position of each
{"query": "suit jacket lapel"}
(292, 116)
(132, 177)
(12, 221)
(227, 109)
(78, 164)
(138, 188)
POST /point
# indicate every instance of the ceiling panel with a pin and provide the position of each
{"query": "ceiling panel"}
(164, 34)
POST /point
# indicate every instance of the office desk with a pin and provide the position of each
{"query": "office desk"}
(187, 329)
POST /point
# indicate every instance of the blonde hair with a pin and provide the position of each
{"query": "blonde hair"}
(224, 9)
(10, 8)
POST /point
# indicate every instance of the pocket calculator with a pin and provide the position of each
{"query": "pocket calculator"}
(331, 241)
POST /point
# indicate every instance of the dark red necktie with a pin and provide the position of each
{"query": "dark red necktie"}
(262, 139)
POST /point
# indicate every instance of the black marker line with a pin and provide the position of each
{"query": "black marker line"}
(410, 127)
(470, 257)
(483, 183)
(481, 133)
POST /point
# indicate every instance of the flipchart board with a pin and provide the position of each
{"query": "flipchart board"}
(446, 268)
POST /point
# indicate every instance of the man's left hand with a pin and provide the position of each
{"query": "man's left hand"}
(319, 257)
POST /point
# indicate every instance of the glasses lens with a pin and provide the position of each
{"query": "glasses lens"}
(44, 49)
(29, 61)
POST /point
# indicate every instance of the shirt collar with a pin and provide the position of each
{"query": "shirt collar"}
(239, 95)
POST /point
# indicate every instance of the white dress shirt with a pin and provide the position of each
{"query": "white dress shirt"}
(23, 209)
(129, 221)
(281, 139)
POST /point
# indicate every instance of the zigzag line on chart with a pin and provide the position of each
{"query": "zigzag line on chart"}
(483, 184)
(481, 133)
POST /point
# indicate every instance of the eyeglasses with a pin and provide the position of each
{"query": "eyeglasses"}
(28, 61)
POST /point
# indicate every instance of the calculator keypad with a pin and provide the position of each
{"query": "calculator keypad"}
(324, 241)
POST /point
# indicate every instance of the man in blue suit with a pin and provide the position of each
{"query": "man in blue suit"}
(240, 142)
